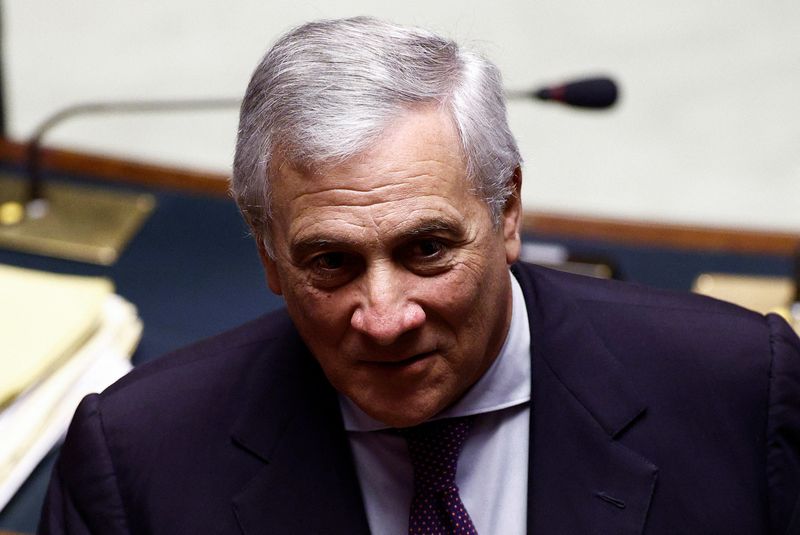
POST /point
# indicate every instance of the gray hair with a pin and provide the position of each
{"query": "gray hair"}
(327, 90)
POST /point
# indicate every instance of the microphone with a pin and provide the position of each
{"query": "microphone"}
(597, 93)
(593, 93)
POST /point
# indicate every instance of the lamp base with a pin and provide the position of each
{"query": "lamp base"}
(76, 222)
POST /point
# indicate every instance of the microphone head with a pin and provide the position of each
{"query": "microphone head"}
(595, 93)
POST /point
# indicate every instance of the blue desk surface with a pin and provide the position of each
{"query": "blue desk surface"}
(193, 271)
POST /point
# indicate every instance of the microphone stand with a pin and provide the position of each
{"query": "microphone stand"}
(87, 224)
(34, 148)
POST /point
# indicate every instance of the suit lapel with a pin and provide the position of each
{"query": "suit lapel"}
(307, 482)
(582, 478)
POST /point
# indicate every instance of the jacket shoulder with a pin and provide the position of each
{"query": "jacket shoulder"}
(241, 340)
(583, 288)
(635, 321)
(161, 438)
(202, 388)
(720, 385)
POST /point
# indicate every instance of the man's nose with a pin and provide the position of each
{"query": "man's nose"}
(385, 310)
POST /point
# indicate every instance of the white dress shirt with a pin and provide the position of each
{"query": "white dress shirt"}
(492, 474)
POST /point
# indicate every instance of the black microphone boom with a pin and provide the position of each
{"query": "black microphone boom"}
(595, 93)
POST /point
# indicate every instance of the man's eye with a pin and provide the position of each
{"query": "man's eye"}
(329, 261)
(332, 269)
(428, 257)
(428, 249)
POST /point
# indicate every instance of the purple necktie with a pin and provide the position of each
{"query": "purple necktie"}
(436, 508)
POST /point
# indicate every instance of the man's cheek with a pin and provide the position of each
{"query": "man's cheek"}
(459, 289)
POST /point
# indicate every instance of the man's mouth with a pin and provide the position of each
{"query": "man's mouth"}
(399, 363)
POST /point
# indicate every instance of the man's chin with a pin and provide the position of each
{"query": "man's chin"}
(403, 421)
(404, 412)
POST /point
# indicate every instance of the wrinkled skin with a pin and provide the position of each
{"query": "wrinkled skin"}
(393, 272)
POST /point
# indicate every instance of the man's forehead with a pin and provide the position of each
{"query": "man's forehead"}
(431, 123)
(416, 170)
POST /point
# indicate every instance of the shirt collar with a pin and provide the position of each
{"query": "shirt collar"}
(507, 382)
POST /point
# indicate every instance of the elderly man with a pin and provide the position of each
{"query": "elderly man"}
(415, 383)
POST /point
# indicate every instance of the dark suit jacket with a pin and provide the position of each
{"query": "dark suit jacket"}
(652, 412)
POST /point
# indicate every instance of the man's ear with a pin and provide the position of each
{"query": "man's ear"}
(270, 268)
(512, 218)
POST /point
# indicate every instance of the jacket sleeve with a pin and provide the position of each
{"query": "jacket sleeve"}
(83, 496)
(783, 427)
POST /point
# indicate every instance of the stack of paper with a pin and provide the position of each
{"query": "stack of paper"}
(61, 337)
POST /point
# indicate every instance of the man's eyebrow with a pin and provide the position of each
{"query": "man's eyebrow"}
(431, 226)
(311, 244)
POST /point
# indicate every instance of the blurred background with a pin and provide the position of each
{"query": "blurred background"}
(691, 182)
(707, 130)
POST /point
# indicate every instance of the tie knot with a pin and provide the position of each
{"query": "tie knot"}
(434, 448)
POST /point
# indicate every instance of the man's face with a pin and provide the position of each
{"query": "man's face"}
(393, 272)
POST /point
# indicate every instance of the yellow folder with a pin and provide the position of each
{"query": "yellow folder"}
(44, 318)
